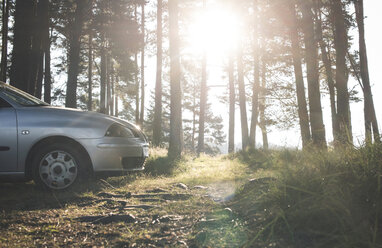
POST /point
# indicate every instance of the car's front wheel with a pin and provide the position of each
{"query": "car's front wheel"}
(58, 166)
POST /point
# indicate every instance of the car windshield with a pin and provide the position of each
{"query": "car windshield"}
(21, 97)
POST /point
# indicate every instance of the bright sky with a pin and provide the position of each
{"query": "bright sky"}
(290, 138)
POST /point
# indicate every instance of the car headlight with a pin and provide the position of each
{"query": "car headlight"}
(117, 130)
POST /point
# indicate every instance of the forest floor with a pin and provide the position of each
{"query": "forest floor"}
(186, 207)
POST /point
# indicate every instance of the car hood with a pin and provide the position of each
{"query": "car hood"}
(71, 122)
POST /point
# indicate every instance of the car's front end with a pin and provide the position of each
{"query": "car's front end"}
(56, 146)
(123, 148)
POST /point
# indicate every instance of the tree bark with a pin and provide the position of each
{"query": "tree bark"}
(193, 118)
(136, 79)
(157, 124)
(175, 146)
(203, 99)
(232, 102)
(137, 122)
(46, 50)
(242, 98)
(112, 88)
(371, 124)
(90, 72)
(341, 46)
(300, 88)
(311, 53)
(108, 82)
(256, 85)
(36, 55)
(4, 42)
(22, 42)
(142, 113)
(47, 74)
(329, 74)
(103, 76)
(74, 54)
(263, 124)
(116, 98)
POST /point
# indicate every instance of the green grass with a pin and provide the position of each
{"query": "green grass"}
(280, 198)
(316, 199)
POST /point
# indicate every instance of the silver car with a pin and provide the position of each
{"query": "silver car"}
(60, 147)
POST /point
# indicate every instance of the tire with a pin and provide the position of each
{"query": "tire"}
(58, 166)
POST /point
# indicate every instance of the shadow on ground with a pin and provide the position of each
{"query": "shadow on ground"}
(28, 196)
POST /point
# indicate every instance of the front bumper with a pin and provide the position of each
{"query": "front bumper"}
(116, 154)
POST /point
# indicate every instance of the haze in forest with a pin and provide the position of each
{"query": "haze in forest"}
(104, 56)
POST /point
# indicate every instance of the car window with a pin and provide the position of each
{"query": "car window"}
(22, 98)
(4, 104)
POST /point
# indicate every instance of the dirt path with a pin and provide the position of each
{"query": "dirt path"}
(184, 209)
(164, 216)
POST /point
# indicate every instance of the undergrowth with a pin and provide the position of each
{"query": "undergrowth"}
(314, 199)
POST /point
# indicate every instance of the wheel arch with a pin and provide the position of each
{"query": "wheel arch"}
(51, 140)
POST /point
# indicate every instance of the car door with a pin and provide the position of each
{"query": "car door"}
(8, 137)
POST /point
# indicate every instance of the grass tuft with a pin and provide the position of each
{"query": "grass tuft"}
(315, 199)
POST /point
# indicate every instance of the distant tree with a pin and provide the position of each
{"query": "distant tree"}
(103, 74)
(262, 107)
(256, 85)
(242, 98)
(46, 43)
(311, 58)
(175, 144)
(341, 46)
(5, 6)
(142, 112)
(90, 71)
(326, 59)
(22, 43)
(203, 98)
(371, 124)
(76, 28)
(300, 87)
(232, 105)
(157, 125)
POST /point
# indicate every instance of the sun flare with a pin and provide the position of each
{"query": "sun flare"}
(215, 31)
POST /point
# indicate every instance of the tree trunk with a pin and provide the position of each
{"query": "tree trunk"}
(4, 43)
(193, 118)
(36, 56)
(371, 124)
(232, 102)
(47, 74)
(157, 124)
(108, 82)
(203, 99)
(46, 50)
(74, 54)
(256, 85)
(116, 104)
(137, 122)
(329, 74)
(341, 46)
(242, 98)
(112, 89)
(142, 113)
(103, 76)
(311, 53)
(300, 88)
(203, 103)
(22, 42)
(40, 76)
(90, 72)
(263, 124)
(175, 147)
